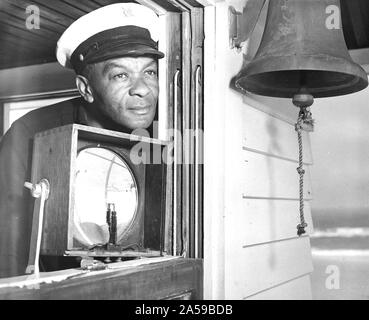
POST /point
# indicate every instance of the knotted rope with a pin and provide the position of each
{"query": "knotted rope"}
(298, 127)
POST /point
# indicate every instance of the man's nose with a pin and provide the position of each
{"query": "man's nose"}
(139, 87)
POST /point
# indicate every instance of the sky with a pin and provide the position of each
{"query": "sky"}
(340, 148)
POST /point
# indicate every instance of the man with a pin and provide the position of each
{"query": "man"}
(115, 59)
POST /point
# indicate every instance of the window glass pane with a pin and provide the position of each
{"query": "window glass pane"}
(15, 110)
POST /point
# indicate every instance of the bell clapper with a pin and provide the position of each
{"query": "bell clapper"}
(302, 100)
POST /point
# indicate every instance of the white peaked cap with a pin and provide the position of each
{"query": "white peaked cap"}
(105, 18)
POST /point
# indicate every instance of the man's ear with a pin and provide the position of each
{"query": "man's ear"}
(84, 88)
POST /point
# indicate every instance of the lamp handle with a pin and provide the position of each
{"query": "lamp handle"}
(41, 192)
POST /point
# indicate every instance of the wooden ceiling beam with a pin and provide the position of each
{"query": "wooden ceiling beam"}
(35, 39)
(107, 2)
(49, 20)
(20, 24)
(84, 5)
(22, 60)
(61, 8)
(21, 43)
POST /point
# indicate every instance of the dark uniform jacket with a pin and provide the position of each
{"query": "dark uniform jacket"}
(16, 203)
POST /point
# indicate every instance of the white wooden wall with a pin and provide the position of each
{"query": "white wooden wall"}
(251, 183)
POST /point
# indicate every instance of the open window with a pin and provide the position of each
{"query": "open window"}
(14, 108)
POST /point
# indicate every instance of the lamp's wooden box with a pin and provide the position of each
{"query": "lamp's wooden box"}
(56, 157)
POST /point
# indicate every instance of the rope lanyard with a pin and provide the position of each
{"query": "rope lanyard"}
(298, 127)
(304, 121)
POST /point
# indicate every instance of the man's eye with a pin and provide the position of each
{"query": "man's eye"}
(151, 73)
(120, 76)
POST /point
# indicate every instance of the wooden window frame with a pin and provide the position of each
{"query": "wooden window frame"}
(182, 102)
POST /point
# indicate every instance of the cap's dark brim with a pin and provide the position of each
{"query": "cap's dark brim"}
(114, 43)
(114, 52)
(133, 50)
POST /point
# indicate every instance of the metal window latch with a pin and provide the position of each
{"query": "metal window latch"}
(36, 189)
(90, 264)
(41, 192)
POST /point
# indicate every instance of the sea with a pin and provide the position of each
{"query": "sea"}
(340, 240)
(341, 230)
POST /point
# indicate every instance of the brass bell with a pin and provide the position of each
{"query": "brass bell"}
(299, 49)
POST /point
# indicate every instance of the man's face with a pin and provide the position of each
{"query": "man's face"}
(126, 90)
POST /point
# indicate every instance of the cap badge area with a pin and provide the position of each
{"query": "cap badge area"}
(127, 12)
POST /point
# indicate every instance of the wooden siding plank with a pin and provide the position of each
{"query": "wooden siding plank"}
(296, 289)
(254, 269)
(279, 108)
(270, 135)
(268, 177)
(261, 221)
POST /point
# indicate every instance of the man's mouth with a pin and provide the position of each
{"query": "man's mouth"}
(140, 110)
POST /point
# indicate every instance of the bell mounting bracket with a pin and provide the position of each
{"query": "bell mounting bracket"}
(242, 24)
